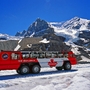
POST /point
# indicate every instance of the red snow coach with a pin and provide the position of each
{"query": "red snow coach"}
(25, 62)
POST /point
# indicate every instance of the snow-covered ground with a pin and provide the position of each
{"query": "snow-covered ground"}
(48, 79)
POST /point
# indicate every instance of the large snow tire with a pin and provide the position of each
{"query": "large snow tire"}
(35, 69)
(18, 71)
(24, 70)
(67, 66)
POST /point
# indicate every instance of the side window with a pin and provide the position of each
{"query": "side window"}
(25, 55)
(55, 55)
(34, 54)
(66, 55)
(14, 56)
(60, 55)
(42, 55)
(48, 54)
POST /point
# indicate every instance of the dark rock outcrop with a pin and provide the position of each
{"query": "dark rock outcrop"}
(84, 52)
(21, 33)
(84, 34)
(56, 44)
(88, 25)
(54, 37)
(52, 46)
(84, 39)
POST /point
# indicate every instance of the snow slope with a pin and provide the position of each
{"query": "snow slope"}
(71, 28)
(8, 37)
(49, 79)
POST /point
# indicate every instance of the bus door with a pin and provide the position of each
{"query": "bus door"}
(14, 61)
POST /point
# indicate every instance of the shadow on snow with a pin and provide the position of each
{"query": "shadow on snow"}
(6, 77)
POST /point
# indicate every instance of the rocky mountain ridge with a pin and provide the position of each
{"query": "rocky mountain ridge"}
(36, 29)
(75, 29)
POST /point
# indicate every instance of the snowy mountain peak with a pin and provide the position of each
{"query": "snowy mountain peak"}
(76, 23)
(37, 28)
(78, 19)
(72, 28)
(75, 19)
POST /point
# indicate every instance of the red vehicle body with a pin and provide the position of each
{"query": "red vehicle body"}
(32, 61)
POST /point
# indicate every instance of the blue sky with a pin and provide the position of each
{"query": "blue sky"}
(17, 15)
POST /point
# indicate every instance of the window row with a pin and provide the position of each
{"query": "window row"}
(43, 55)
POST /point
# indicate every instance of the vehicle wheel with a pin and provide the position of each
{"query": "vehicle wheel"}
(24, 70)
(35, 69)
(59, 68)
(18, 71)
(67, 66)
